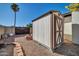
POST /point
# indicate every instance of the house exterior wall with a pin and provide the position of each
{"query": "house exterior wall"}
(75, 27)
(75, 33)
(75, 17)
(41, 30)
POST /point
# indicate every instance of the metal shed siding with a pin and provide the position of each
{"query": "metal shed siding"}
(41, 30)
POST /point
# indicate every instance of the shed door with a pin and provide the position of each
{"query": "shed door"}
(58, 31)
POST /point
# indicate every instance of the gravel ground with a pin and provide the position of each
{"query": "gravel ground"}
(7, 48)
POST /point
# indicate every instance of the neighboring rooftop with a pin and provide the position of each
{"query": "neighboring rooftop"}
(67, 14)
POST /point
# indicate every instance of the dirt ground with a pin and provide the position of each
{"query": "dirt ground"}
(31, 48)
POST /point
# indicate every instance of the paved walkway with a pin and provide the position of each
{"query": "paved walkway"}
(68, 49)
(32, 48)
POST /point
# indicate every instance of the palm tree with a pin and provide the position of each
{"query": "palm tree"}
(15, 8)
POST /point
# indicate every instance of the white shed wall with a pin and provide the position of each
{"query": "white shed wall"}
(41, 30)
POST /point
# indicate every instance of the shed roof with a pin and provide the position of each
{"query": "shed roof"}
(50, 12)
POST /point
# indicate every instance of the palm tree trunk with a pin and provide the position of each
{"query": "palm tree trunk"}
(14, 22)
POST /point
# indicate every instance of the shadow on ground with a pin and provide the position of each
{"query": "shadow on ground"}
(68, 49)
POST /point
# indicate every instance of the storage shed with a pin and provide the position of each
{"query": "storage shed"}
(48, 29)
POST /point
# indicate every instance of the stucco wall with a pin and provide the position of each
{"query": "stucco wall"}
(41, 30)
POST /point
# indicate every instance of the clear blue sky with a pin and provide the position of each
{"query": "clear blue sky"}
(27, 12)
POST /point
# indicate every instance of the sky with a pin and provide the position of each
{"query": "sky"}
(27, 12)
